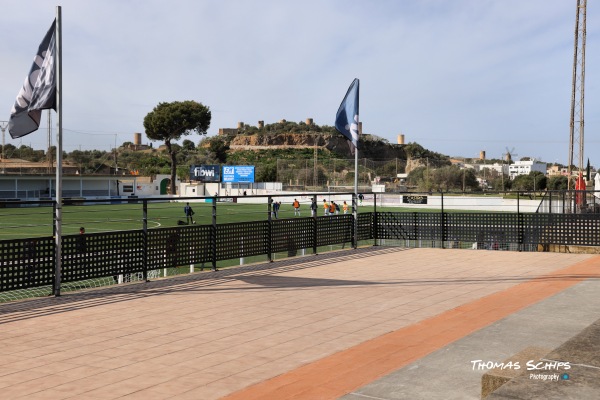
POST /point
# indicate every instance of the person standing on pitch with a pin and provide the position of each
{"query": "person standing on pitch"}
(332, 208)
(275, 209)
(296, 205)
(313, 208)
(189, 213)
(325, 207)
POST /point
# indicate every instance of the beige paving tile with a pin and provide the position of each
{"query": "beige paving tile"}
(201, 341)
(47, 394)
(178, 386)
(20, 377)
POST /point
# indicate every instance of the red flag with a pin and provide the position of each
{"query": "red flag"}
(580, 185)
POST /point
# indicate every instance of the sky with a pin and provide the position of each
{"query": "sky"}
(457, 77)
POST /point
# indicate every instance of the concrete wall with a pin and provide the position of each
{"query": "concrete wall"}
(471, 203)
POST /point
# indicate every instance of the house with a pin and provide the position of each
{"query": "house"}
(556, 170)
(524, 167)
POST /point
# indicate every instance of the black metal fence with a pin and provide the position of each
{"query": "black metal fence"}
(30, 262)
(492, 231)
(27, 263)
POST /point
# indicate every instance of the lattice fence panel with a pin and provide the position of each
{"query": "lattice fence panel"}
(243, 239)
(566, 229)
(292, 234)
(409, 226)
(26, 263)
(365, 226)
(334, 229)
(102, 254)
(491, 230)
(396, 225)
(174, 247)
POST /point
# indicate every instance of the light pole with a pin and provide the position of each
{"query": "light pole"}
(116, 165)
(3, 126)
(315, 163)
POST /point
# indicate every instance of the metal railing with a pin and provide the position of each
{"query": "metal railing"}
(30, 262)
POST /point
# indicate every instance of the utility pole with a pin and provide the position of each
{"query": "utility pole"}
(502, 170)
(3, 126)
(577, 95)
(116, 165)
(315, 163)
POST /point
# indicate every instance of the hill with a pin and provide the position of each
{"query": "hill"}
(301, 154)
(287, 139)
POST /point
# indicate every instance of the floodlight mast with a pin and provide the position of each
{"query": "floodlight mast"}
(577, 96)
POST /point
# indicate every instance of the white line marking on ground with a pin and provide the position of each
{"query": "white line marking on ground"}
(368, 397)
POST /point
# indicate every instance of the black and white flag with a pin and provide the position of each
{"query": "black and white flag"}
(39, 90)
(346, 119)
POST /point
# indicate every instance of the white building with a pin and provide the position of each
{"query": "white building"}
(525, 167)
(499, 168)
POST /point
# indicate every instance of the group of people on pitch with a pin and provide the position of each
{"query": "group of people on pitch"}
(329, 209)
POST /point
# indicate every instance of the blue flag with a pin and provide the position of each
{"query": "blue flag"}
(346, 119)
(39, 90)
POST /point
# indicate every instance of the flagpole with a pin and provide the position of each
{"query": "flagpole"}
(347, 123)
(58, 216)
(355, 238)
(356, 161)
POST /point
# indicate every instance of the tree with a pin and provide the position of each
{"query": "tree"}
(539, 180)
(188, 145)
(522, 183)
(266, 172)
(534, 181)
(501, 183)
(453, 178)
(219, 148)
(417, 176)
(557, 183)
(9, 150)
(169, 121)
(81, 158)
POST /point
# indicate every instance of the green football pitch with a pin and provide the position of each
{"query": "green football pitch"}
(25, 222)
(33, 221)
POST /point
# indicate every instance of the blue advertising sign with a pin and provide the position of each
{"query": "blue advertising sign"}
(238, 173)
(205, 173)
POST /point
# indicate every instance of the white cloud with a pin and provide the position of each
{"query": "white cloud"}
(456, 76)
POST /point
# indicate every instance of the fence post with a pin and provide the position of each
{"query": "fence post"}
(520, 223)
(269, 228)
(55, 283)
(145, 238)
(443, 231)
(375, 221)
(214, 229)
(415, 228)
(315, 214)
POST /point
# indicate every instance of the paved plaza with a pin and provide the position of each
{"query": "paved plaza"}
(371, 323)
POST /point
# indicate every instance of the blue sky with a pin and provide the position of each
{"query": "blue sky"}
(456, 76)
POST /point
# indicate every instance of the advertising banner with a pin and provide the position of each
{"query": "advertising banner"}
(414, 199)
(205, 173)
(238, 173)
